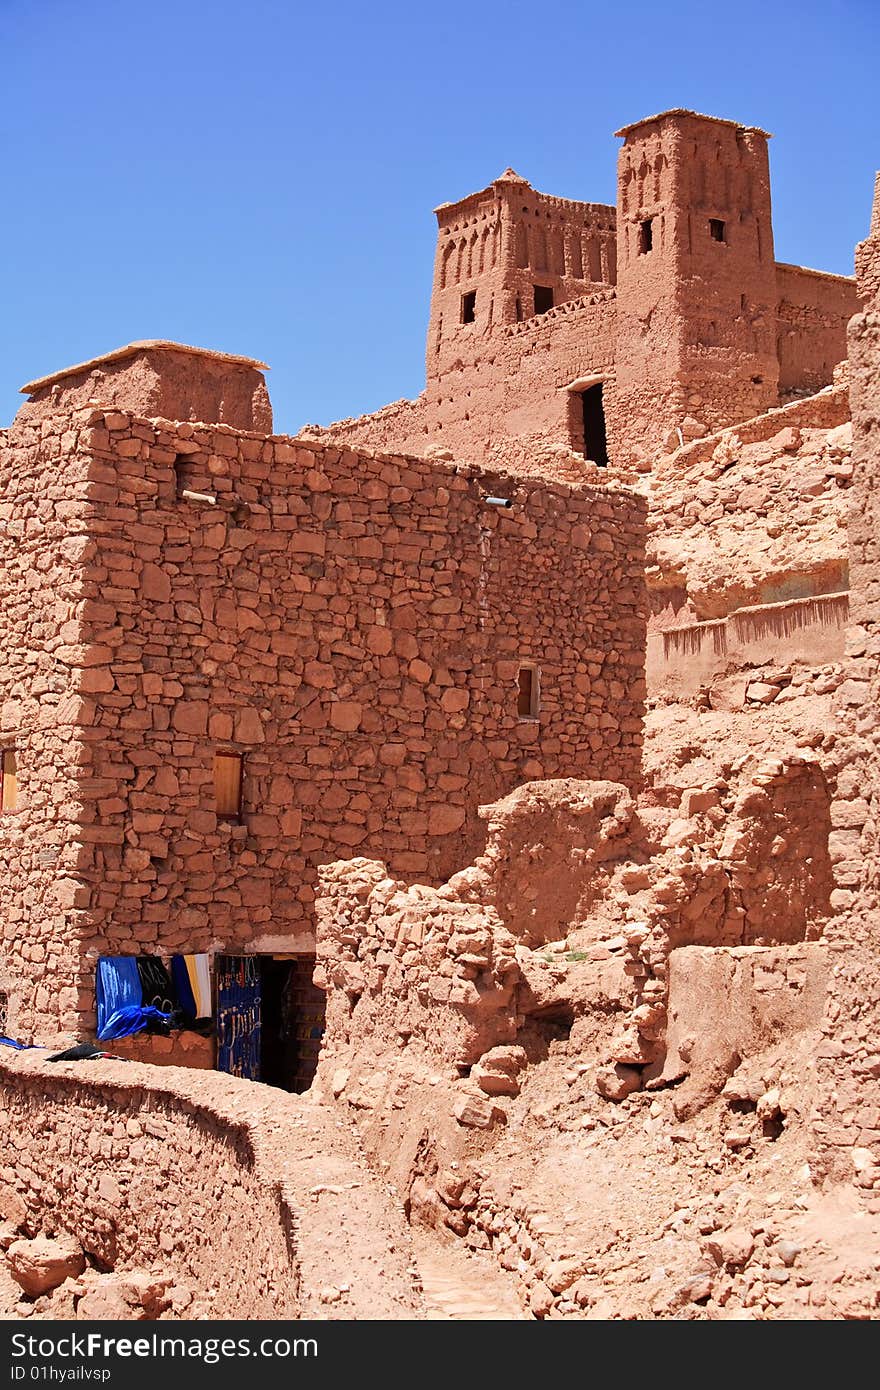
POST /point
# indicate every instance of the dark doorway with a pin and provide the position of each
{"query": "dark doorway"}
(293, 1022)
(543, 298)
(270, 1019)
(595, 440)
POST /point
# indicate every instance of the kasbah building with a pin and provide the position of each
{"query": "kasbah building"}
(495, 776)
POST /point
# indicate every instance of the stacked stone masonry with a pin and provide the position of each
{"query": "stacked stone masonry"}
(353, 626)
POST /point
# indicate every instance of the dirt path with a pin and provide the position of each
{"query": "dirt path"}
(460, 1286)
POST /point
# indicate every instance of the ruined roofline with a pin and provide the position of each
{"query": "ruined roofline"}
(698, 115)
(131, 350)
(821, 274)
(475, 199)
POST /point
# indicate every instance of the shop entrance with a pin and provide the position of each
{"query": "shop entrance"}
(270, 1019)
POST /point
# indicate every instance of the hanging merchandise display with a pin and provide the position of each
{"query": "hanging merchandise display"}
(239, 1016)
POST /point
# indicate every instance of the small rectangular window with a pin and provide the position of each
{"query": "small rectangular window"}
(519, 311)
(543, 298)
(8, 781)
(528, 695)
(227, 785)
(469, 306)
(716, 229)
(646, 236)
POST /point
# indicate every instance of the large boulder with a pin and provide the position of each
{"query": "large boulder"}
(41, 1264)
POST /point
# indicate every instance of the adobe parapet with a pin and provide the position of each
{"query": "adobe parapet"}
(156, 378)
(677, 111)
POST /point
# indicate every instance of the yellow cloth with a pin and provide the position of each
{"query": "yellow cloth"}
(200, 983)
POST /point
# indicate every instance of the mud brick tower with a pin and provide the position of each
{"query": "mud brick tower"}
(696, 291)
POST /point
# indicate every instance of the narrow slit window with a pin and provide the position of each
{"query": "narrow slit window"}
(528, 695)
(646, 236)
(717, 229)
(227, 785)
(469, 306)
(193, 481)
(543, 298)
(519, 311)
(8, 781)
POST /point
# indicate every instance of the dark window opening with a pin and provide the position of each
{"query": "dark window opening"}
(716, 229)
(519, 311)
(595, 438)
(528, 695)
(469, 306)
(4, 1014)
(757, 381)
(193, 480)
(543, 298)
(8, 781)
(646, 236)
(227, 785)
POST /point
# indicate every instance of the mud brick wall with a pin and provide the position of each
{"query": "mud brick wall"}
(353, 626)
(847, 1125)
(500, 395)
(151, 1172)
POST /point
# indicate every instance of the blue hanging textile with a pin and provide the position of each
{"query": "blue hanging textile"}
(120, 998)
(10, 1042)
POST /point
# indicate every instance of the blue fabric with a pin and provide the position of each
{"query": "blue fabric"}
(120, 998)
(10, 1042)
(130, 1018)
(185, 996)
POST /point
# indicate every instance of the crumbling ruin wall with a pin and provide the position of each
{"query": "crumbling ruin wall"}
(353, 627)
(399, 428)
(725, 1006)
(441, 966)
(806, 633)
(44, 544)
(812, 312)
(848, 1121)
(754, 516)
(449, 974)
(152, 1172)
(492, 1025)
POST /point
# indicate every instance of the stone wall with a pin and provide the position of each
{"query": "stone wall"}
(352, 626)
(43, 545)
(401, 427)
(811, 317)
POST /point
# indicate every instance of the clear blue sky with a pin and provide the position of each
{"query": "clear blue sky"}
(258, 176)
